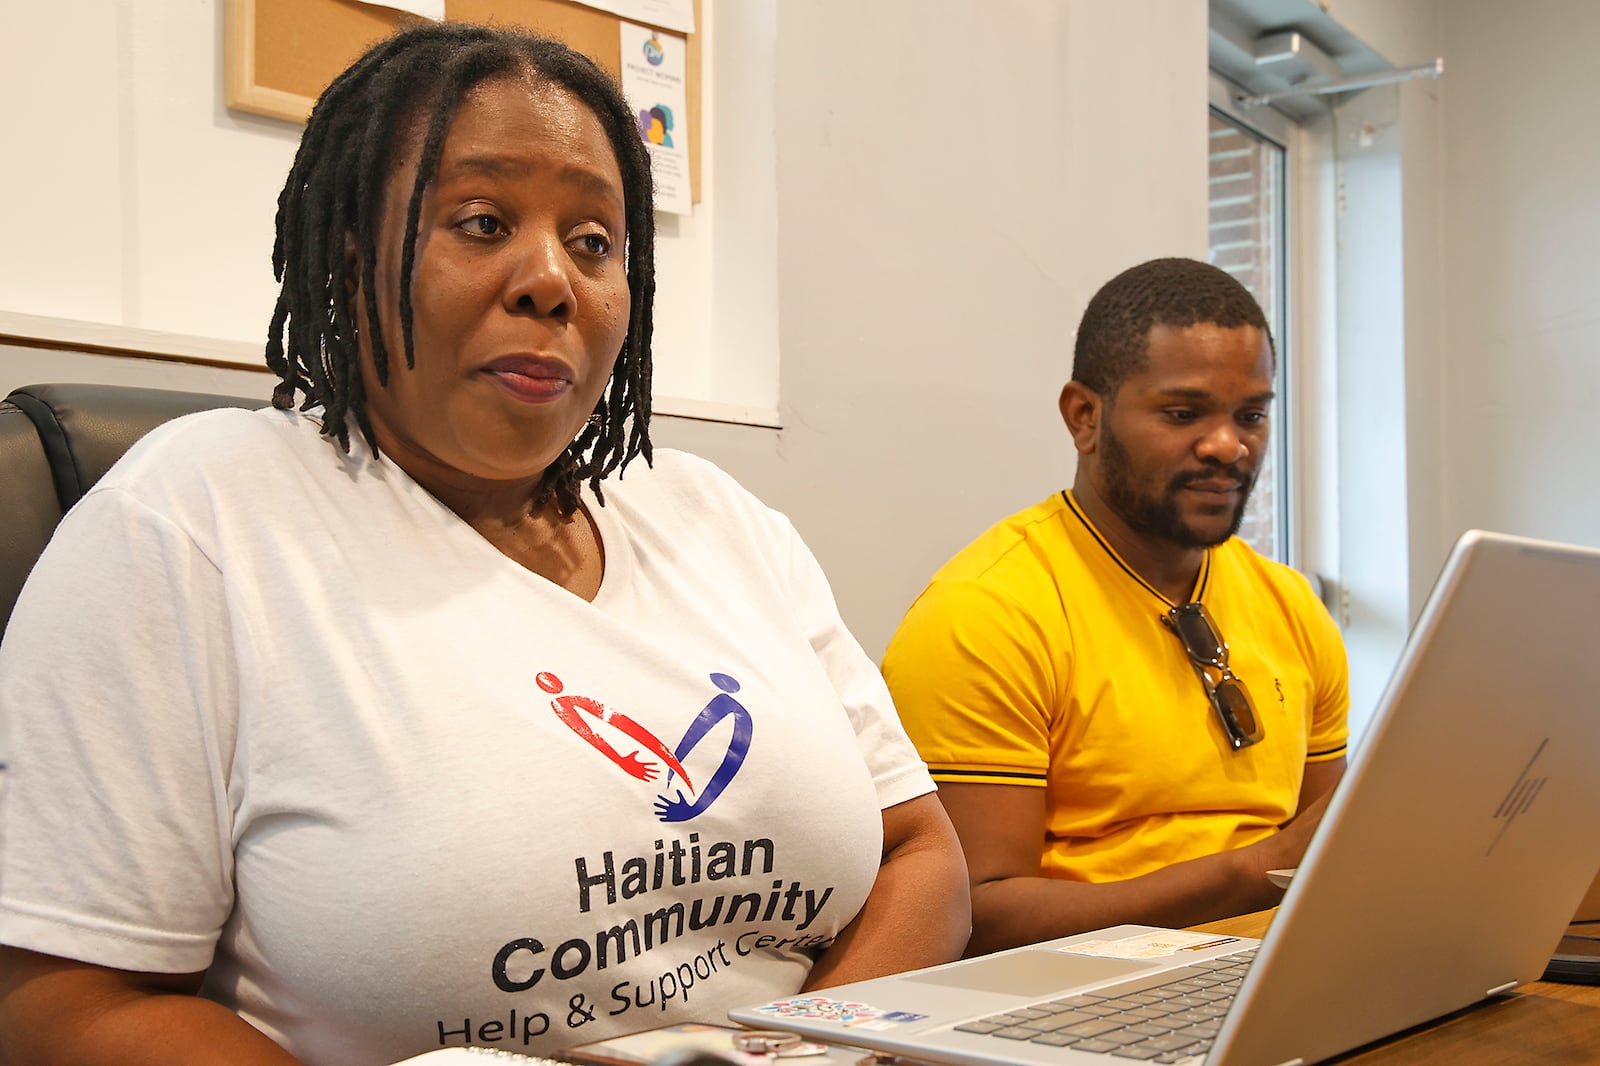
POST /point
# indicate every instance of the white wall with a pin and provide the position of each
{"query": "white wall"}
(138, 199)
(954, 182)
(1522, 269)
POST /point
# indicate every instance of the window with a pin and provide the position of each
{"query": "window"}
(1247, 226)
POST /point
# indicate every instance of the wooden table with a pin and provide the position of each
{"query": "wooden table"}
(1541, 1023)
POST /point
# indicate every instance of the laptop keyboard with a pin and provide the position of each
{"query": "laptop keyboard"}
(1166, 1017)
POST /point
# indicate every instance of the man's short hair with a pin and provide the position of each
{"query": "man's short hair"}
(1113, 338)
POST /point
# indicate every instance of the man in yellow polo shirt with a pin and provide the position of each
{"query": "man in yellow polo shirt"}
(1132, 716)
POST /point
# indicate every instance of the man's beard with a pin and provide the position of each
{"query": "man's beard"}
(1158, 516)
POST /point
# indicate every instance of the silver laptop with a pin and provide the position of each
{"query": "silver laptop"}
(1445, 869)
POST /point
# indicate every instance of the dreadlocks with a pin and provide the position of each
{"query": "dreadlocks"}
(1113, 336)
(411, 85)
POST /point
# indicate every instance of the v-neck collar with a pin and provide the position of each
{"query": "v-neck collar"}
(1205, 561)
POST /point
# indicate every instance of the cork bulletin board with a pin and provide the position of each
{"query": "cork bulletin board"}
(281, 54)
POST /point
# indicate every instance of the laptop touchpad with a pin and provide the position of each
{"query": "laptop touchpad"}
(1030, 973)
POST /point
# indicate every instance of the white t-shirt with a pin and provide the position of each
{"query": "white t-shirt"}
(274, 712)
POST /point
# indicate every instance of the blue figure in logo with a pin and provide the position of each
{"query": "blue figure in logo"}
(722, 705)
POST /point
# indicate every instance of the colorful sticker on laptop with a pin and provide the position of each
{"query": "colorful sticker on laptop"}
(846, 1013)
(1156, 945)
(822, 1008)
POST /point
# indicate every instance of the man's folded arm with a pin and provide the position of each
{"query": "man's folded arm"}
(1002, 830)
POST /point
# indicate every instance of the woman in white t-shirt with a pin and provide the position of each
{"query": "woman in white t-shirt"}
(393, 717)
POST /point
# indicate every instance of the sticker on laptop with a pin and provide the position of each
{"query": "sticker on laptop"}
(889, 1020)
(844, 1012)
(1156, 945)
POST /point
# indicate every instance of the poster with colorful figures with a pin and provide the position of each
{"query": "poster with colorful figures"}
(654, 76)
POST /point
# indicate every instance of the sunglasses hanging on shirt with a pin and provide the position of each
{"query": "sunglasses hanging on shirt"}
(1208, 653)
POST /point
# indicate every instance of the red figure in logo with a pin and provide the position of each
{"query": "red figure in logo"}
(567, 709)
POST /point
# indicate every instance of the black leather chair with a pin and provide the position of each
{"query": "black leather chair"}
(55, 442)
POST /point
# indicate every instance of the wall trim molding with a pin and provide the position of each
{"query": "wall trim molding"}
(132, 342)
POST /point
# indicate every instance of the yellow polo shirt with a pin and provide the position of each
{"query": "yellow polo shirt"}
(1037, 657)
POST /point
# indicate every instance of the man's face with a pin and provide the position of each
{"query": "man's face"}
(1182, 439)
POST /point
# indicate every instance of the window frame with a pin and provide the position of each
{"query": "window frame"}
(1289, 443)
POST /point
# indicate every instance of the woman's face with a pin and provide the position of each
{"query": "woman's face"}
(519, 292)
